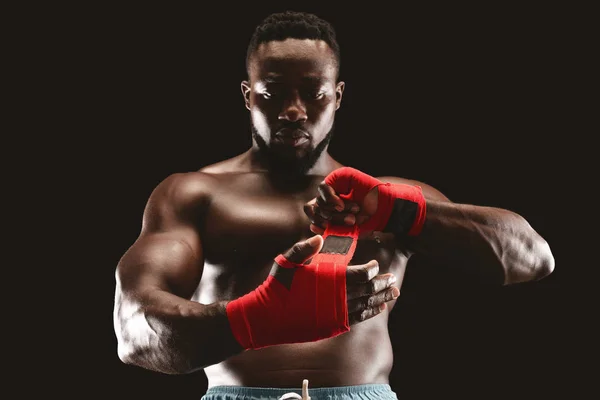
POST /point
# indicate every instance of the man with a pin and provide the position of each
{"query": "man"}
(199, 288)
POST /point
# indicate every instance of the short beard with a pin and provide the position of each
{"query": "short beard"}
(289, 166)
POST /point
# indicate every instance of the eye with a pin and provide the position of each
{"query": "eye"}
(266, 95)
(315, 94)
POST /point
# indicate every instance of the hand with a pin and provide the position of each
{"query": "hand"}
(399, 209)
(303, 302)
(367, 292)
(328, 207)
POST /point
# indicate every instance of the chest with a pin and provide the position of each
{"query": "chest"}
(246, 226)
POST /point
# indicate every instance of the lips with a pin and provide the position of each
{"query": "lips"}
(288, 133)
(292, 137)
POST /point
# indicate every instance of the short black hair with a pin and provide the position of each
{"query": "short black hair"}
(295, 25)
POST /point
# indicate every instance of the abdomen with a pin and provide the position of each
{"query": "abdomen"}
(361, 356)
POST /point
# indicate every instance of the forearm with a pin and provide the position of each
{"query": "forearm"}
(165, 333)
(497, 245)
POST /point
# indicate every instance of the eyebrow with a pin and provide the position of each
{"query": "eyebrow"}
(272, 78)
(315, 80)
(276, 78)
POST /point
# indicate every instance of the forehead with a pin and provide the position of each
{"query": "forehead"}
(293, 58)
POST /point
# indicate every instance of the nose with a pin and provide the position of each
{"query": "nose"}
(294, 109)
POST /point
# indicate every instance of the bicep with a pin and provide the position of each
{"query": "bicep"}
(168, 255)
(171, 261)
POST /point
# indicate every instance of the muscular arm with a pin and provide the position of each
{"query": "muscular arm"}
(495, 244)
(156, 325)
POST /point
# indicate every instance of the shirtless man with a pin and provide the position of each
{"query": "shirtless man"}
(187, 291)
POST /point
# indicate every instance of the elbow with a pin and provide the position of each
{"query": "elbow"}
(151, 359)
(533, 265)
(127, 353)
(124, 355)
(545, 264)
(541, 263)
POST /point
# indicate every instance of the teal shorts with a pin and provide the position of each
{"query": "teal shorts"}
(363, 392)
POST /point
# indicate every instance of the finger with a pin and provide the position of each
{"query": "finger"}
(351, 207)
(369, 313)
(366, 302)
(328, 195)
(324, 205)
(361, 218)
(375, 285)
(314, 217)
(336, 218)
(304, 250)
(309, 208)
(362, 273)
(319, 212)
(323, 209)
(317, 206)
(320, 216)
(316, 229)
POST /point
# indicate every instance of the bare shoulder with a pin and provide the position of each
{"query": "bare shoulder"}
(183, 187)
(179, 197)
(191, 191)
(430, 192)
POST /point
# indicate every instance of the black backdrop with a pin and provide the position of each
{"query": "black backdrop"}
(468, 99)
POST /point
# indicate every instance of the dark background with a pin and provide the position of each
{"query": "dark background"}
(477, 101)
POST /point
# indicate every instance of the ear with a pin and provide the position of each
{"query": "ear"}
(246, 92)
(339, 90)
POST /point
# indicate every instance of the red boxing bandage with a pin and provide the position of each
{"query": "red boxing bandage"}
(298, 303)
(400, 208)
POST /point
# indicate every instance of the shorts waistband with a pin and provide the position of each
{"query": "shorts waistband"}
(369, 391)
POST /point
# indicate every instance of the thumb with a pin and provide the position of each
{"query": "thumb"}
(304, 250)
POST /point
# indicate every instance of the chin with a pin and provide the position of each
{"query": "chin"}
(291, 153)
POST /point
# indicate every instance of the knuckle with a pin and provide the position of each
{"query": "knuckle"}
(323, 191)
(321, 202)
(371, 301)
(297, 247)
(373, 286)
(376, 268)
(373, 268)
(295, 250)
(325, 214)
(389, 295)
(364, 315)
(361, 306)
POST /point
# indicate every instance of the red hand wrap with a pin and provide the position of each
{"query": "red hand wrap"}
(298, 303)
(352, 184)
